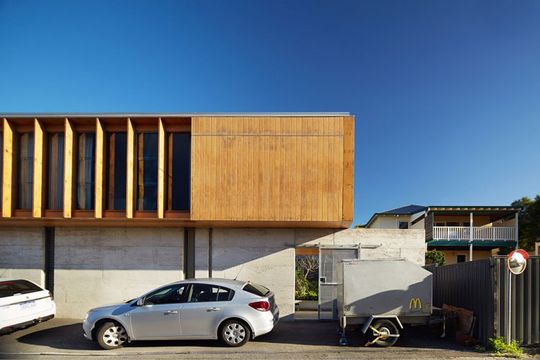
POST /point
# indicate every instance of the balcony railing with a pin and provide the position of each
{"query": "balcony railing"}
(479, 233)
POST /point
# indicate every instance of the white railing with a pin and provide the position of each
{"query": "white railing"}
(479, 233)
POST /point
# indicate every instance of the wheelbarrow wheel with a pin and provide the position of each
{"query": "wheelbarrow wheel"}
(384, 327)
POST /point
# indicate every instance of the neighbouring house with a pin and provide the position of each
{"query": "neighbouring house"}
(463, 233)
(104, 207)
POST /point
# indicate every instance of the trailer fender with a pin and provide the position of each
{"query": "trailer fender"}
(373, 317)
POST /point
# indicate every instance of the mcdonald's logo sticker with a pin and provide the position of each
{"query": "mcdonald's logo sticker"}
(415, 303)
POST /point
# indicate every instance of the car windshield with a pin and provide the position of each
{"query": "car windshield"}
(256, 289)
(15, 287)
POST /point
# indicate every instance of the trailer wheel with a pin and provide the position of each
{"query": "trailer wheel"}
(384, 326)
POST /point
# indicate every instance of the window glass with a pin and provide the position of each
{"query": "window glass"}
(256, 289)
(116, 171)
(1, 165)
(206, 293)
(403, 225)
(12, 287)
(179, 171)
(25, 170)
(86, 150)
(171, 294)
(55, 171)
(147, 166)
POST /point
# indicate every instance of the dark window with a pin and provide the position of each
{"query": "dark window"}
(179, 171)
(256, 289)
(86, 152)
(55, 171)
(116, 171)
(460, 258)
(403, 225)
(467, 224)
(1, 165)
(25, 170)
(452, 223)
(206, 293)
(12, 287)
(171, 294)
(147, 167)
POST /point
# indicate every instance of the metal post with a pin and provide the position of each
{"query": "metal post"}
(509, 302)
(471, 236)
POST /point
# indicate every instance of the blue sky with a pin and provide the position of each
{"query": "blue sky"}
(446, 94)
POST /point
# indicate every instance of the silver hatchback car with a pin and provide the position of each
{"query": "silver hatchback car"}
(230, 310)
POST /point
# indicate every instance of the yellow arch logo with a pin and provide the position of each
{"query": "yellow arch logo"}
(415, 303)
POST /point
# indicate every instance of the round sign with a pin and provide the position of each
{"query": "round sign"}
(517, 261)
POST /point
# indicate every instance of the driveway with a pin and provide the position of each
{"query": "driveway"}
(304, 339)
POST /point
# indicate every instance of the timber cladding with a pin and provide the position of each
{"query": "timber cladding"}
(272, 168)
(178, 169)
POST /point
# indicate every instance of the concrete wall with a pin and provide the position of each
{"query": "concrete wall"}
(94, 267)
(22, 254)
(264, 256)
(374, 243)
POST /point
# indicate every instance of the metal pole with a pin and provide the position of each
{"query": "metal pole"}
(509, 331)
(471, 236)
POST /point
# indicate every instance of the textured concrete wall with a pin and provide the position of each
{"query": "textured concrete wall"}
(375, 243)
(264, 256)
(98, 266)
(22, 254)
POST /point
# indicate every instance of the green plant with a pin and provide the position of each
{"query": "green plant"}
(435, 257)
(499, 346)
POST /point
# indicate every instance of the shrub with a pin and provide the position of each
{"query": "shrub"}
(435, 257)
(499, 346)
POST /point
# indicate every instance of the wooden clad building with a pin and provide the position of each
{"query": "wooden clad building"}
(191, 170)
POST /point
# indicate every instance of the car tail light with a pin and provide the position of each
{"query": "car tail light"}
(260, 305)
(51, 295)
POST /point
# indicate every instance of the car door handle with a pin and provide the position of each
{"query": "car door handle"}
(169, 312)
(213, 309)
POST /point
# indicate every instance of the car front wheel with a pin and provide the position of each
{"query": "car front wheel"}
(111, 335)
(235, 333)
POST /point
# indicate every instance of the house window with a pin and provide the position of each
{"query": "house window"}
(85, 150)
(460, 258)
(1, 166)
(116, 171)
(55, 171)
(25, 170)
(179, 171)
(147, 168)
(403, 225)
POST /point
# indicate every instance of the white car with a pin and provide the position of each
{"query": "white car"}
(22, 304)
(230, 310)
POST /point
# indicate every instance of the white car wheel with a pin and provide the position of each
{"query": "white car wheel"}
(111, 336)
(235, 333)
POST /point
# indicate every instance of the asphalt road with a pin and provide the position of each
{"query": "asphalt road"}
(303, 339)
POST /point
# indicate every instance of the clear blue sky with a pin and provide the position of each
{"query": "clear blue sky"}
(446, 94)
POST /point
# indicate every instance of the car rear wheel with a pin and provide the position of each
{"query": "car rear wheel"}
(111, 335)
(235, 333)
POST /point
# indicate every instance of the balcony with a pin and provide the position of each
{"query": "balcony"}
(484, 233)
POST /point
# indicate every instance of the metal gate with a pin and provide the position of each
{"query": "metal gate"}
(329, 257)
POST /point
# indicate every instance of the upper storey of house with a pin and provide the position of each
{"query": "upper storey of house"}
(283, 170)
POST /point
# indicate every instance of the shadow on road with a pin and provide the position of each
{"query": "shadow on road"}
(300, 332)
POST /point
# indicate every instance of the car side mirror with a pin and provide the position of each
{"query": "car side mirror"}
(140, 301)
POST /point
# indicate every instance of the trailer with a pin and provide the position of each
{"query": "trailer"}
(381, 296)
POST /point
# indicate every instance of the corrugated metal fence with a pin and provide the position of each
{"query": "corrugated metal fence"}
(481, 286)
